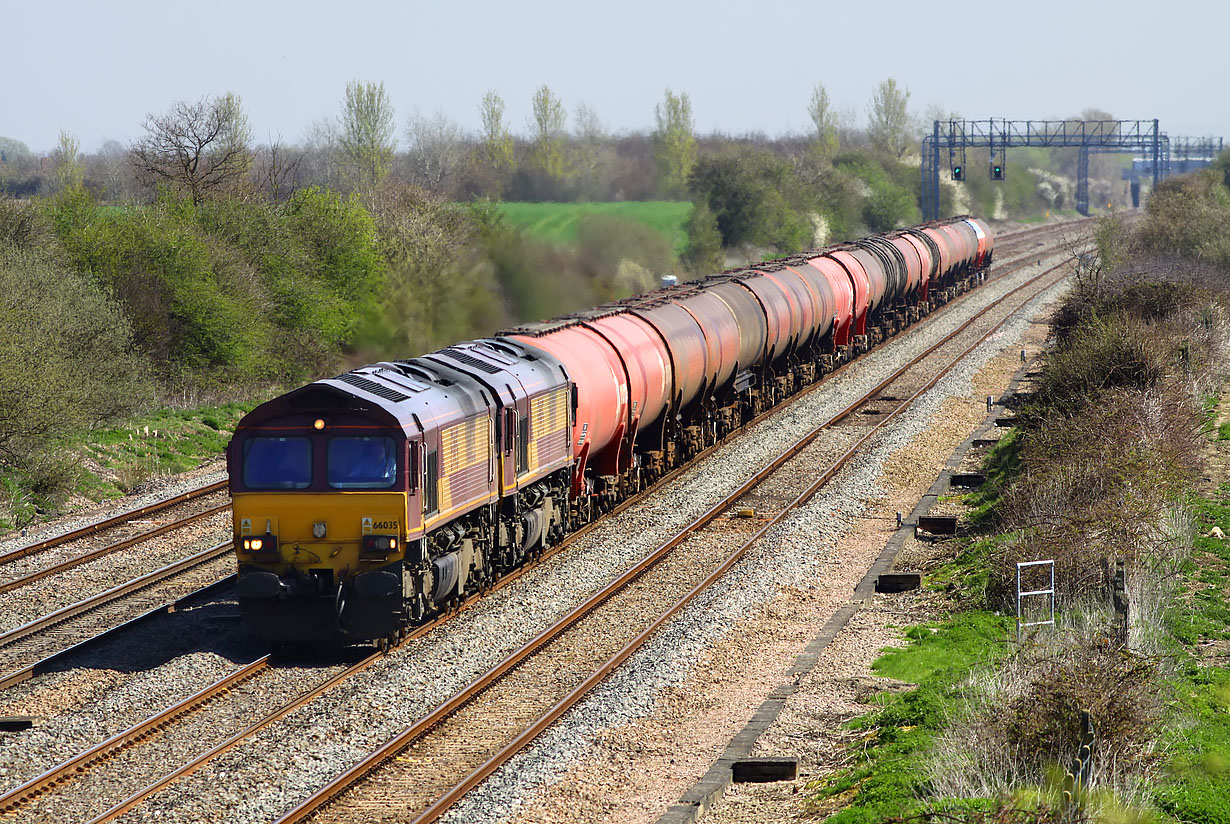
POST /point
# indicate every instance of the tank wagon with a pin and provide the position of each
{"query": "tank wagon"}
(366, 503)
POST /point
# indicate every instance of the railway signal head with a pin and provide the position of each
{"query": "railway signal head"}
(958, 173)
(997, 171)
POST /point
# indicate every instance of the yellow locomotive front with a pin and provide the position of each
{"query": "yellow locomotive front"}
(323, 504)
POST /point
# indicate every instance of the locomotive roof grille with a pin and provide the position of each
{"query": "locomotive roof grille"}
(374, 388)
(465, 357)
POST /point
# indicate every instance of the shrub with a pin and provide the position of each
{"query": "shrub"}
(66, 364)
(891, 200)
(1187, 216)
(704, 253)
(1109, 353)
(1022, 718)
(754, 198)
(1099, 485)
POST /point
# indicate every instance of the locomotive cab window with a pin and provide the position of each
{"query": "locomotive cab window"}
(277, 463)
(362, 462)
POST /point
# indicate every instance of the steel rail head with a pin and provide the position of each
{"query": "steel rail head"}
(141, 537)
(97, 526)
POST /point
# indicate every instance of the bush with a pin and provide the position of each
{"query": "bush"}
(1099, 485)
(1109, 353)
(1023, 719)
(624, 257)
(66, 364)
(754, 198)
(1187, 216)
(231, 291)
(704, 253)
(891, 201)
(188, 314)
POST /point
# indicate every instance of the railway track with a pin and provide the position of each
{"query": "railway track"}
(91, 554)
(116, 523)
(31, 647)
(420, 774)
(672, 582)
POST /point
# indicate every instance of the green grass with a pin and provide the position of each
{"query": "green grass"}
(1001, 466)
(163, 443)
(1197, 783)
(557, 222)
(104, 464)
(890, 780)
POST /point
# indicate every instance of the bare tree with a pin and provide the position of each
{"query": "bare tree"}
(277, 167)
(437, 149)
(109, 174)
(196, 147)
(593, 153)
(889, 119)
(365, 134)
(321, 154)
(587, 124)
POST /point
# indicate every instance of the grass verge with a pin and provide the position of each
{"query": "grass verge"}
(557, 222)
(888, 780)
(111, 463)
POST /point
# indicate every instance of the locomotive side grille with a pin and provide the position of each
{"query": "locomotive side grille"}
(465, 462)
(549, 427)
(374, 388)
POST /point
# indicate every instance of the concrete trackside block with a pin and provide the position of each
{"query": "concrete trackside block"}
(967, 480)
(15, 723)
(764, 770)
(938, 524)
(898, 581)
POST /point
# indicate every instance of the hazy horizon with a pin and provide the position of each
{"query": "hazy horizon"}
(98, 71)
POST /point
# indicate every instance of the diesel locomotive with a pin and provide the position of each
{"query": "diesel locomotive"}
(368, 502)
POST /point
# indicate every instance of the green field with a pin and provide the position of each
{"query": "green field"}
(557, 222)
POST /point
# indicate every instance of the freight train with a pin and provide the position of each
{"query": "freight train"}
(368, 502)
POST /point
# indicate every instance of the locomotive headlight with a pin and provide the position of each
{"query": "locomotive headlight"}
(265, 543)
(319, 423)
(379, 543)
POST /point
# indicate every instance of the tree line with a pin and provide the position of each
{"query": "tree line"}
(195, 263)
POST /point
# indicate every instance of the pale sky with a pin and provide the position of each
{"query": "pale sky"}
(96, 69)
